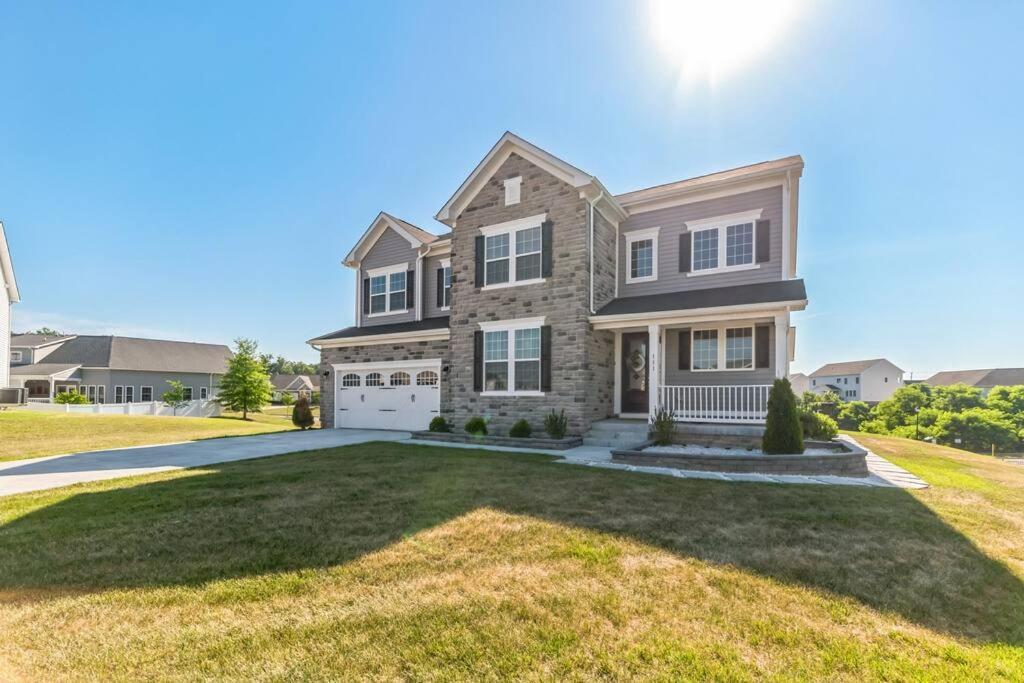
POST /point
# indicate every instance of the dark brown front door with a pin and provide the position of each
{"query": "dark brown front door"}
(634, 372)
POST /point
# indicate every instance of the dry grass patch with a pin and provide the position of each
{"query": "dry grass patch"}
(392, 561)
(28, 434)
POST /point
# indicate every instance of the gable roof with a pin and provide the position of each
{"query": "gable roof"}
(853, 367)
(416, 237)
(283, 382)
(36, 341)
(7, 269)
(506, 145)
(992, 377)
(130, 353)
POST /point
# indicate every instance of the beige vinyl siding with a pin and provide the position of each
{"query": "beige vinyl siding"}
(431, 309)
(675, 377)
(390, 248)
(672, 222)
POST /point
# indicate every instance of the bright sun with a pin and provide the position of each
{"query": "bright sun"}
(711, 39)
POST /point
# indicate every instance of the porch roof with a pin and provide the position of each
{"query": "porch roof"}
(779, 291)
(45, 370)
(428, 324)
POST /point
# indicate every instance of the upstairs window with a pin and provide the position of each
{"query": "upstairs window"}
(512, 253)
(642, 255)
(396, 291)
(735, 241)
(379, 294)
(496, 255)
(528, 254)
(446, 297)
(15, 356)
(705, 249)
(739, 244)
(385, 291)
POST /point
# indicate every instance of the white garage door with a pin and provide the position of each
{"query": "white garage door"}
(398, 396)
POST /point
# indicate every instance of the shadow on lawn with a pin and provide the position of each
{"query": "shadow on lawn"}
(318, 509)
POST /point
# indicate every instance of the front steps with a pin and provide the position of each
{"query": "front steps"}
(618, 433)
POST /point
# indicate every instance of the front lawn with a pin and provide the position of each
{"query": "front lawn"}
(396, 561)
(28, 434)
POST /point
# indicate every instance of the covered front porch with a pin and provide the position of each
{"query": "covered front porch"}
(715, 368)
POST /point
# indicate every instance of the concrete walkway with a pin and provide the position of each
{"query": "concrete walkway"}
(22, 476)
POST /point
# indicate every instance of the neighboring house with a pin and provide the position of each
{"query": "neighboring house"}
(33, 348)
(980, 379)
(551, 293)
(109, 369)
(8, 297)
(296, 385)
(859, 380)
(800, 383)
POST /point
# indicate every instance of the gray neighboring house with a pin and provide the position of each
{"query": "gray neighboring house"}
(296, 385)
(109, 369)
(548, 292)
(33, 348)
(980, 379)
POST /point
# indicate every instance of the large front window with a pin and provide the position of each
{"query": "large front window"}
(705, 349)
(512, 360)
(527, 348)
(387, 292)
(496, 360)
(739, 348)
(734, 345)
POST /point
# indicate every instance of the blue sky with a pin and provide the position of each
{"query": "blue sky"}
(197, 171)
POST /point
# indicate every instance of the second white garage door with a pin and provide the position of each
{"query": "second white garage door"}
(388, 396)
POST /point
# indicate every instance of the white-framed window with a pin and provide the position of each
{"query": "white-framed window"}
(188, 393)
(374, 379)
(92, 393)
(723, 243)
(387, 289)
(512, 357)
(513, 252)
(203, 393)
(101, 393)
(119, 394)
(427, 378)
(512, 190)
(129, 394)
(722, 348)
(446, 284)
(15, 356)
(642, 255)
(146, 394)
(400, 379)
(351, 380)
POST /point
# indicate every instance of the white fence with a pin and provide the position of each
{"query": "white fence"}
(717, 403)
(192, 409)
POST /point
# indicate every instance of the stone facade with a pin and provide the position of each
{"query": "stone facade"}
(378, 353)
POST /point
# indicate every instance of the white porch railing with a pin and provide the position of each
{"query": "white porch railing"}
(716, 403)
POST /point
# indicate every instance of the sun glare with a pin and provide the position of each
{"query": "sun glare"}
(707, 40)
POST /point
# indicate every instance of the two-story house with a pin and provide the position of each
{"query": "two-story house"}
(549, 292)
(858, 380)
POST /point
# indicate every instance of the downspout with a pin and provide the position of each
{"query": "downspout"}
(592, 310)
(420, 285)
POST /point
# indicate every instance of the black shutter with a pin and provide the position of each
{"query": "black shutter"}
(410, 289)
(684, 349)
(545, 358)
(764, 238)
(684, 251)
(479, 282)
(546, 255)
(478, 361)
(440, 287)
(366, 296)
(762, 346)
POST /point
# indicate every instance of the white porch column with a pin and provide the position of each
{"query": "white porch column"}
(617, 396)
(653, 368)
(782, 345)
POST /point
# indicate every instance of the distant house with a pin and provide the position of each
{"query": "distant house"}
(33, 348)
(859, 380)
(8, 296)
(109, 369)
(980, 379)
(296, 385)
(800, 383)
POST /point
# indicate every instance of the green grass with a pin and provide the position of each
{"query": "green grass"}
(27, 434)
(276, 415)
(394, 561)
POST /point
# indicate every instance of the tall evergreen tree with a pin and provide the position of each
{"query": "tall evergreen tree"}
(245, 386)
(782, 432)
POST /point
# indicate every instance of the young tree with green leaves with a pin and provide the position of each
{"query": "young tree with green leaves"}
(956, 398)
(174, 397)
(245, 386)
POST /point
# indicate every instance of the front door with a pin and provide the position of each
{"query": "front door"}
(634, 373)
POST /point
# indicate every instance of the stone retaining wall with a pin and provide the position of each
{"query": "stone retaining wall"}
(847, 461)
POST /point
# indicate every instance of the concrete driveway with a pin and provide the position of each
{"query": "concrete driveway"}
(22, 476)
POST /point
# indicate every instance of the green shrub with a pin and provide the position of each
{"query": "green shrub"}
(72, 397)
(439, 424)
(476, 425)
(521, 430)
(782, 434)
(852, 414)
(302, 416)
(287, 399)
(976, 429)
(556, 424)
(817, 426)
(663, 427)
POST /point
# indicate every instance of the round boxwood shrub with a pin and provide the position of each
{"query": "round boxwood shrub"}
(476, 425)
(783, 434)
(521, 430)
(818, 427)
(439, 424)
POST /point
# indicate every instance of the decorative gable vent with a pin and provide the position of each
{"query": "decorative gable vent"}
(512, 186)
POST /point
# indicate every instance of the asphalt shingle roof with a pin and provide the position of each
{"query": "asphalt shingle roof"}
(393, 328)
(985, 379)
(36, 340)
(851, 367)
(736, 295)
(130, 353)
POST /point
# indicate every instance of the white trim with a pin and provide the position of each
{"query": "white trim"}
(529, 392)
(726, 219)
(387, 270)
(785, 227)
(447, 264)
(513, 283)
(513, 324)
(419, 302)
(513, 190)
(142, 390)
(380, 224)
(371, 339)
(431, 363)
(687, 316)
(617, 383)
(640, 236)
(514, 226)
(385, 313)
(7, 270)
(720, 352)
(720, 270)
(720, 225)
